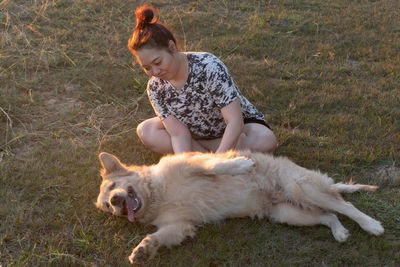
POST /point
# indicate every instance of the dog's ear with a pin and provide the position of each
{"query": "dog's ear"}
(110, 164)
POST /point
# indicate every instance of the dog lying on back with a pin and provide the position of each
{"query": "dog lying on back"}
(190, 189)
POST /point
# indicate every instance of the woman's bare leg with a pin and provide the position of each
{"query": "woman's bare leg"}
(152, 134)
(255, 136)
(210, 144)
(258, 138)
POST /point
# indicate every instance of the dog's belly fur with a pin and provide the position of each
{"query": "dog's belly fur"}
(206, 201)
(209, 198)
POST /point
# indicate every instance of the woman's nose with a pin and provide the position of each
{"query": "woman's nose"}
(155, 71)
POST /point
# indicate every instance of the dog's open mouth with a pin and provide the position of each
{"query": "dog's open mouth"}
(133, 204)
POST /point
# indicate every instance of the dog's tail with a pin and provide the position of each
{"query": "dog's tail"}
(351, 187)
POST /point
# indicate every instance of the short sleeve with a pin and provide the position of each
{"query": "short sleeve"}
(156, 97)
(220, 83)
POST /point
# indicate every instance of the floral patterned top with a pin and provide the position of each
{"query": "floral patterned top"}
(209, 88)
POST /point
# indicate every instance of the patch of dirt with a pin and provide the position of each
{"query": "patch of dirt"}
(389, 174)
(24, 150)
(62, 102)
(70, 88)
(353, 64)
(56, 103)
(105, 117)
(278, 22)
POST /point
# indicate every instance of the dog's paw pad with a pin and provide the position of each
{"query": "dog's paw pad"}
(138, 256)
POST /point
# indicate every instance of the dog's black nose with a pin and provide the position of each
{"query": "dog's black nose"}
(117, 200)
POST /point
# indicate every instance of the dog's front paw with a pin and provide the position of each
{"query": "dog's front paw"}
(341, 234)
(373, 227)
(244, 165)
(139, 255)
(144, 251)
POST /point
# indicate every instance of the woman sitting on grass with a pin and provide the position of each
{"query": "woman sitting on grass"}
(198, 106)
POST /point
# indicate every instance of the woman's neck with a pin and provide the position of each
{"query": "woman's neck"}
(183, 69)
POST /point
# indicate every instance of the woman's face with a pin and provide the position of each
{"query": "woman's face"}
(157, 62)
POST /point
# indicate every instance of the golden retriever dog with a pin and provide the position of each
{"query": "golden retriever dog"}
(189, 189)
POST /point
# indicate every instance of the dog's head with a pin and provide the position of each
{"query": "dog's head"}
(120, 190)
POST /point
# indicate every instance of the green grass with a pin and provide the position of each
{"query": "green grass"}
(325, 73)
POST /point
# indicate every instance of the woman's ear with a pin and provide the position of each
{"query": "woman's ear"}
(172, 46)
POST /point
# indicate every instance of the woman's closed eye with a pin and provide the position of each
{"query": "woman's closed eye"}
(112, 186)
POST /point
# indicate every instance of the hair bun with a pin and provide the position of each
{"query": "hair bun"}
(146, 15)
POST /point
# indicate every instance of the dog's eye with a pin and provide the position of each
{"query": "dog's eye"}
(107, 205)
(112, 186)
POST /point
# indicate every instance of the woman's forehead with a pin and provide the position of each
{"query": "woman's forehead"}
(146, 56)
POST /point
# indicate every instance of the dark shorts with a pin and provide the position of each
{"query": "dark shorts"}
(254, 120)
(245, 120)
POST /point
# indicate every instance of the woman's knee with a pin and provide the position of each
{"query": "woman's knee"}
(268, 142)
(144, 131)
(260, 139)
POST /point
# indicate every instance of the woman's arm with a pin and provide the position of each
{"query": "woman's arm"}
(181, 138)
(233, 117)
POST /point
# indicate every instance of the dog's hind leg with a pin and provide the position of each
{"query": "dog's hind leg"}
(350, 188)
(290, 214)
(336, 203)
(168, 235)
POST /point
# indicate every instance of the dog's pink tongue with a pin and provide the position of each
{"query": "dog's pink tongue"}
(130, 203)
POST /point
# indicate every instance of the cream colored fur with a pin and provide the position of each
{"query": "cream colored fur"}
(189, 189)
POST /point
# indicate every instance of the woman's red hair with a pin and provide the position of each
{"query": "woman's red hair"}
(148, 31)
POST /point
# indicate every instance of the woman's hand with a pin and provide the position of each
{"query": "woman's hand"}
(181, 139)
(233, 117)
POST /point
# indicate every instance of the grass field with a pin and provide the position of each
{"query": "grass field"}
(326, 73)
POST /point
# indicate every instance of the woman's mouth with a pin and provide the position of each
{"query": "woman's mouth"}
(162, 75)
